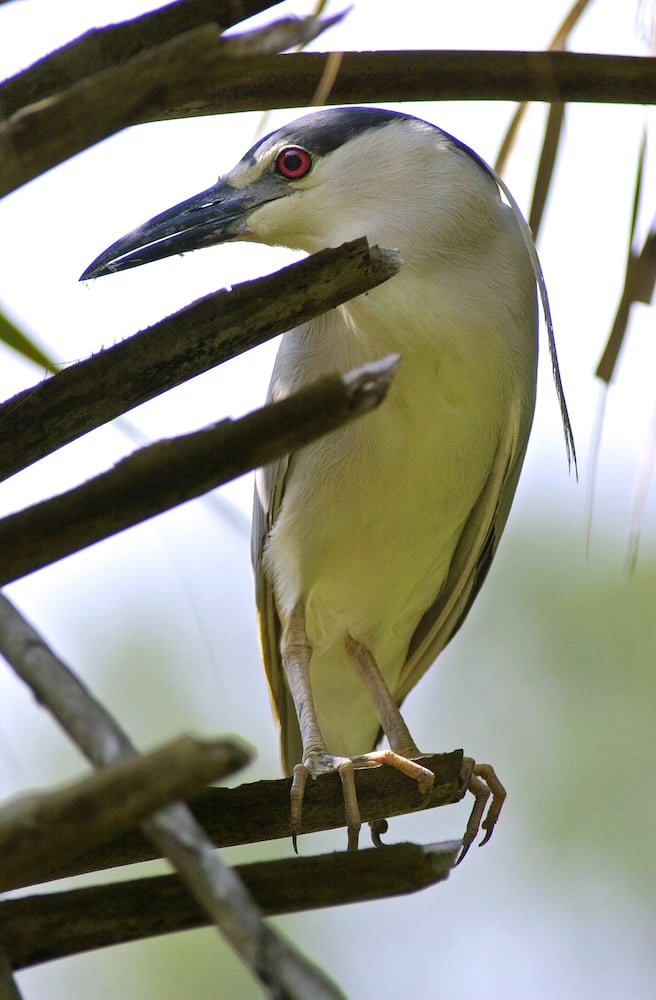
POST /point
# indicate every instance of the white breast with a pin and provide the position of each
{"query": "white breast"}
(372, 513)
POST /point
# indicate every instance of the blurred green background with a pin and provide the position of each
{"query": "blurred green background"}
(552, 680)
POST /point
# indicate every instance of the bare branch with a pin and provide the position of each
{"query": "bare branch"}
(639, 282)
(102, 48)
(639, 277)
(368, 77)
(204, 334)
(174, 470)
(37, 929)
(8, 987)
(73, 119)
(40, 833)
(287, 33)
(216, 887)
(558, 42)
(546, 165)
(84, 719)
(259, 811)
(192, 75)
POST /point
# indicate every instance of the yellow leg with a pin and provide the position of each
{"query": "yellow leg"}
(296, 654)
(402, 747)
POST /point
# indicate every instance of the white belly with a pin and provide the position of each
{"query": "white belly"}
(371, 514)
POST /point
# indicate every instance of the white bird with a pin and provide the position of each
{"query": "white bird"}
(371, 544)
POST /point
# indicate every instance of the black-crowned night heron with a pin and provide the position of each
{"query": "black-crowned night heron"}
(371, 544)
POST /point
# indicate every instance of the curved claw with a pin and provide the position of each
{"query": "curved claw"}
(346, 771)
(483, 783)
(315, 764)
(300, 776)
(377, 827)
(487, 773)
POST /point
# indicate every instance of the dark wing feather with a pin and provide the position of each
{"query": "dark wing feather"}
(471, 560)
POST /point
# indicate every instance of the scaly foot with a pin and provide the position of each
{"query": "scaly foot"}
(315, 763)
(483, 782)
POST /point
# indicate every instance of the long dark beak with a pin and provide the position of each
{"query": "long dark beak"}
(215, 216)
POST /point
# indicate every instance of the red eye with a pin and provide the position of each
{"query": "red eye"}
(293, 162)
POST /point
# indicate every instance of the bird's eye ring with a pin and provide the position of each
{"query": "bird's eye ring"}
(293, 162)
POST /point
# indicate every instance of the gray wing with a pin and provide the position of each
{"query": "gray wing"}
(269, 490)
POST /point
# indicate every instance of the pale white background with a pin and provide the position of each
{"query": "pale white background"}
(160, 622)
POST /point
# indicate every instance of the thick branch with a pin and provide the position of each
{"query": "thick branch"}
(191, 75)
(259, 811)
(204, 334)
(291, 80)
(172, 471)
(40, 833)
(40, 928)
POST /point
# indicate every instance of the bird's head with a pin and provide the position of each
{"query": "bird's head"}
(326, 178)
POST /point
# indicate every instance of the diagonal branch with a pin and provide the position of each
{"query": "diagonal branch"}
(639, 276)
(193, 340)
(113, 44)
(546, 164)
(558, 42)
(217, 888)
(174, 470)
(8, 987)
(41, 833)
(132, 90)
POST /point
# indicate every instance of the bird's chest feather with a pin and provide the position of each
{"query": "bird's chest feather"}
(371, 514)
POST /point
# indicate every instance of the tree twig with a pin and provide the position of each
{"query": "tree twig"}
(37, 929)
(132, 90)
(42, 832)
(174, 470)
(8, 987)
(113, 44)
(546, 165)
(558, 42)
